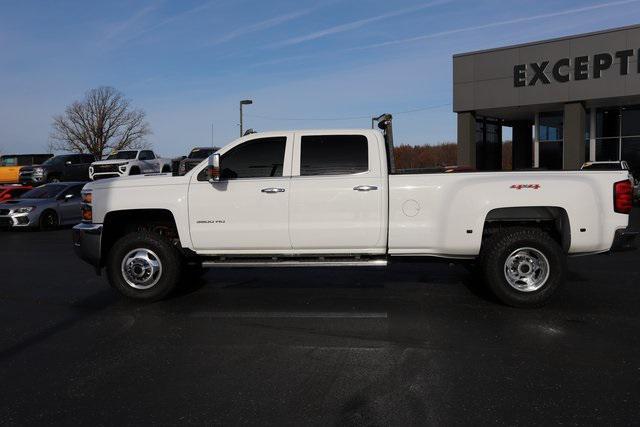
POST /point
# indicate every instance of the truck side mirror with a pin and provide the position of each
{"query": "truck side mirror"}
(68, 197)
(68, 163)
(213, 168)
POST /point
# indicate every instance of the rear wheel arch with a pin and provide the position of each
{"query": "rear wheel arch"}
(553, 220)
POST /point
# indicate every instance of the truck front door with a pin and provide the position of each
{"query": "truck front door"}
(338, 194)
(247, 211)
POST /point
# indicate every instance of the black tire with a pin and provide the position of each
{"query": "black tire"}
(48, 220)
(166, 169)
(134, 171)
(500, 246)
(168, 256)
(53, 179)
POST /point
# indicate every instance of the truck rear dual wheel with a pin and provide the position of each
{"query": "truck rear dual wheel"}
(144, 266)
(523, 267)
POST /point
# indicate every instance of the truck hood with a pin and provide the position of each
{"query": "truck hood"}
(111, 162)
(148, 180)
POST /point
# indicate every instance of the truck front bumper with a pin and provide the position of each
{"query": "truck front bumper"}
(87, 243)
(625, 240)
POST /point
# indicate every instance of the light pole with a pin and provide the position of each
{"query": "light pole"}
(243, 102)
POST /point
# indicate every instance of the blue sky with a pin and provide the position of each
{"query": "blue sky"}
(188, 63)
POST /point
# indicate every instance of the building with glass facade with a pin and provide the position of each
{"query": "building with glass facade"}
(566, 100)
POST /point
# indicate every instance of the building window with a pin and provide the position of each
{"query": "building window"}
(608, 123)
(631, 153)
(550, 134)
(607, 149)
(551, 126)
(488, 144)
(631, 121)
(618, 135)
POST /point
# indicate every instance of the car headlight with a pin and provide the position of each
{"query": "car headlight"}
(91, 170)
(38, 171)
(24, 209)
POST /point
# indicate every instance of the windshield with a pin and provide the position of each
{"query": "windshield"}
(44, 192)
(123, 155)
(603, 166)
(55, 160)
(201, 153)
(9, 161)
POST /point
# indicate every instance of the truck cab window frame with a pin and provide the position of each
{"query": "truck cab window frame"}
(334, 155)
(267, 162)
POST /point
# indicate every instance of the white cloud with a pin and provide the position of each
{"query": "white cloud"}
(260, 26)
(118, 29)
(354, 24)
(497, 24)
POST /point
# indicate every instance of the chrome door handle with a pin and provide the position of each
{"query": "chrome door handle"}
(272, 190)
(365, 188)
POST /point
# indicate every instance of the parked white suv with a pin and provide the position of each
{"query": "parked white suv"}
(330, 198)
(129, 162)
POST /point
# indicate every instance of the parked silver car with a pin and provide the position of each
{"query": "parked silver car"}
(44, 207)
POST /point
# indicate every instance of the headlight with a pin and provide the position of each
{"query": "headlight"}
(25, 209)
(86, 207)
(87, 197)
(91, 170)
(38, 172)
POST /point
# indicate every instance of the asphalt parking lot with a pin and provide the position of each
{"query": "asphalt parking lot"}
(414, 344)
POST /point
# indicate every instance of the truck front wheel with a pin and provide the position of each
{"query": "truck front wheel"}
(523, 267)
(143, 266)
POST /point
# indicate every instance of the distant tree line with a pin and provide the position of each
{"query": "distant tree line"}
(443, 154)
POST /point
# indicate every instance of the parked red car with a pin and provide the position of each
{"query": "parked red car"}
(12, 191)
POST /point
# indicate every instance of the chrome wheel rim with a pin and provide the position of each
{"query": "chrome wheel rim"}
(141, 268)
(526, 269)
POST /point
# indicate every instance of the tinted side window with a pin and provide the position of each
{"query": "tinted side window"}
(25, 160)
(9, 161)
(333, 155)
(38, 159)
(145, 155)
(75, 190)
(258, 158)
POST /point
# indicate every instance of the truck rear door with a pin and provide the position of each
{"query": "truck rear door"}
(338, 194)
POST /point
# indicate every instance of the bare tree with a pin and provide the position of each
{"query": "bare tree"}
(102, 122)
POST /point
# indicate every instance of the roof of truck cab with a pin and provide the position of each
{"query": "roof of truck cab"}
(320, 131)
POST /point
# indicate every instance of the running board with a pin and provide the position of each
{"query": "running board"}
(279, 262)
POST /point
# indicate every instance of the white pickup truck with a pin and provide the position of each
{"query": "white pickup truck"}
(333, 198)
(129, 162)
